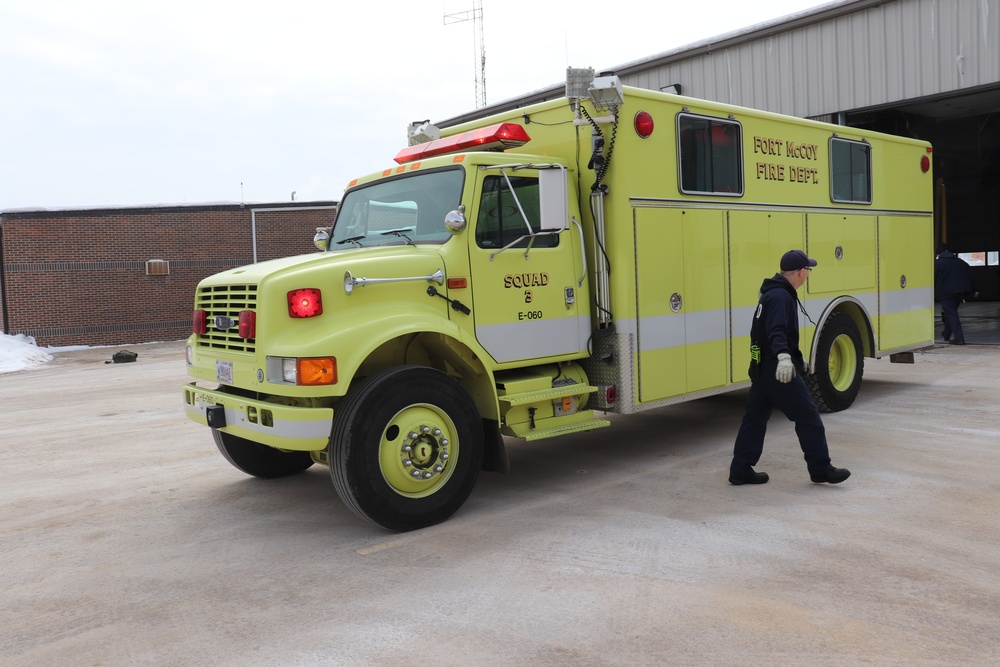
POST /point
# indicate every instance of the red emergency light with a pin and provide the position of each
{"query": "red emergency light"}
(643, 123)
(199, 322)
(247, 325)
(307, 302)
(500, 136)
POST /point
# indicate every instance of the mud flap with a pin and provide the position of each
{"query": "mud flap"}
(494, 452)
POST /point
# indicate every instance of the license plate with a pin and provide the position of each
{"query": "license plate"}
(224, 371)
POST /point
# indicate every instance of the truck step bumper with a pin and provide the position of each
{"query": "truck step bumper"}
(272, 424)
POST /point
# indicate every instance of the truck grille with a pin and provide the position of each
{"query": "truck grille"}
(226, 301)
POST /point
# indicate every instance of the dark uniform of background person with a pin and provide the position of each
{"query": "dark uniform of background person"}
(776, 367)
(952, 282)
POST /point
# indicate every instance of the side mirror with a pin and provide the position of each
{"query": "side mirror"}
(554, 199)
(455, 220)
(322, 237)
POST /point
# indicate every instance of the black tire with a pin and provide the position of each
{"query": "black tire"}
(373, 472)
(840, 364)
(260, 460)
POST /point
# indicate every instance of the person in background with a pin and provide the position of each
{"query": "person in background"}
(952, 282)
(776, 369)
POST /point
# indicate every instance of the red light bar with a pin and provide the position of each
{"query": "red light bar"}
(502, 135)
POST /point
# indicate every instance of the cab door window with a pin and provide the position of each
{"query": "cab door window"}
(500, 221)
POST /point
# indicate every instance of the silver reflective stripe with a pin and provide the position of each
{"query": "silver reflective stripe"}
(666, 331)
(513, 341)
(906, 300)
(669, 330)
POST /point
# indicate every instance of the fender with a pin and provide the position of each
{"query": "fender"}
(857, 311)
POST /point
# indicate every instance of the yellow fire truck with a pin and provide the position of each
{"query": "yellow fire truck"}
(524, 274)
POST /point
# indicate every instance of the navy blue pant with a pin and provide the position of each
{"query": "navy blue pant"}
(794, 400)
(949, 317)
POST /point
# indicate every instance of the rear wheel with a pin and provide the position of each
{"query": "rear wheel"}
(406, 447)
(260, 460)
(836, 378)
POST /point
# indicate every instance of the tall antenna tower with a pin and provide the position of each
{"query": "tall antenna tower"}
(479, 45)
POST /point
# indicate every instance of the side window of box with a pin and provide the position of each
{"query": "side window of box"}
(850, 171)
(709, 155)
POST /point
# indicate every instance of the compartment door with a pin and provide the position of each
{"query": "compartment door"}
(682, 323)
(906, 281)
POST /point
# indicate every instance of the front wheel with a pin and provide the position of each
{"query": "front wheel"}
(836, 379)
(406, 447)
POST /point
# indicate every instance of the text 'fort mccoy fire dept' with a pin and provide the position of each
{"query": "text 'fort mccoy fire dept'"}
(779, 171)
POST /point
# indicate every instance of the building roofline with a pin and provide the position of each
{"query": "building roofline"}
(831, 10)
(31, 213)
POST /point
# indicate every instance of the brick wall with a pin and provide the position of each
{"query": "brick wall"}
(78, 277)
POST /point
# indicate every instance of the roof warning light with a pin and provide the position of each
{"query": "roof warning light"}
(495, 137)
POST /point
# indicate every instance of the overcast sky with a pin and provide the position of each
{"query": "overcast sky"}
(135, 102)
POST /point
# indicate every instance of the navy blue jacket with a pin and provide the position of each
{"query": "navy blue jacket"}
(952, 277)
(775, 327)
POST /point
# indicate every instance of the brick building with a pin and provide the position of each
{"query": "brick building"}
(116, 276)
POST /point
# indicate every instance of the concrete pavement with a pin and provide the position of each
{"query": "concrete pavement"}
(128, 540)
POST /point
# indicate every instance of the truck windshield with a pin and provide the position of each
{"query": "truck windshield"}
(410, 209)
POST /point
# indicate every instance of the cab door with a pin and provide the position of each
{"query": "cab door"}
(529, 293)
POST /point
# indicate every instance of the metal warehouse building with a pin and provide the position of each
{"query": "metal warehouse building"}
(928, 69)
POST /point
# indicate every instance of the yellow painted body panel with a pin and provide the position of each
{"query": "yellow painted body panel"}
(904, 244)
(756, 238)
(844, 247)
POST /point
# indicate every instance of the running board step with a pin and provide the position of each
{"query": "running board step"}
(540, 433)
(547, 394)
(578, 423)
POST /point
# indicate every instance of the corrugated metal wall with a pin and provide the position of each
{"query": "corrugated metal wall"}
(882, 53)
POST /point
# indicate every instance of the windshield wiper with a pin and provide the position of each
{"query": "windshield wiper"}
(400, 234)
(352, 239)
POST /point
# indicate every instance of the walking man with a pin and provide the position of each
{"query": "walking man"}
(952, 281)
(776, 368)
